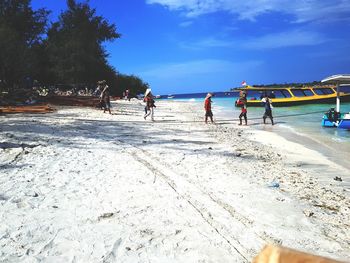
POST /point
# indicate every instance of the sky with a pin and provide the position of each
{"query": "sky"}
(185, 46)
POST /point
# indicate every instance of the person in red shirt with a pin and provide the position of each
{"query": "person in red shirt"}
(207, 107)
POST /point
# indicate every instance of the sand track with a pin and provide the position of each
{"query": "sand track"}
(196, 198)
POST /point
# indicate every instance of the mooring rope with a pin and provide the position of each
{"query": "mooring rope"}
(223, 121)
(278, 116)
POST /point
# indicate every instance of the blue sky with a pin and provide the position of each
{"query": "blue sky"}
(183, 46)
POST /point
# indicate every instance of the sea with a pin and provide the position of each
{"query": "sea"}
(301, 124)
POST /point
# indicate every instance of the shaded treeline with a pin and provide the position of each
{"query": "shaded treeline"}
(294, 84)
(286, 85)
(68, 51)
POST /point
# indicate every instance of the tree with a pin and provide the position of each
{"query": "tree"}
(21, 31)
(74, 45)
(71, 52)
(122, 82)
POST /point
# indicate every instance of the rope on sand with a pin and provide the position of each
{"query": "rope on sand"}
(219, 121)
(279, 116)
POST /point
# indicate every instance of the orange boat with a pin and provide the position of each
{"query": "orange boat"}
(26, 109)
(88, 101)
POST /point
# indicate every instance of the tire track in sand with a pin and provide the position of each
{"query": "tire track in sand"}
(227, 224)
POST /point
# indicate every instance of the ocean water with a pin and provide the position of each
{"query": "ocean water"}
(301, 124)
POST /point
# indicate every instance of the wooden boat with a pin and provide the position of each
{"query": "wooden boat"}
(290, 96)
(87, 101)
(26, 109)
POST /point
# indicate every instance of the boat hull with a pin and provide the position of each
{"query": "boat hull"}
(293, 102)
(344, 124)
(327, 123)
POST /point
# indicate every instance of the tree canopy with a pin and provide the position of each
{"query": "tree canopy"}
(133, 83)
(74, 45)
(68, 51)
(21, 33)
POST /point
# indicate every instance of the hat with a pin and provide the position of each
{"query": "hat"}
(209, 95)
(148, 91)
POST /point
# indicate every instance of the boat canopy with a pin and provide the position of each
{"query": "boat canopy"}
(338, 80)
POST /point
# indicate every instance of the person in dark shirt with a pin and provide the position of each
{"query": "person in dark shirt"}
(332, 115)
(268, 109)
(105, 97)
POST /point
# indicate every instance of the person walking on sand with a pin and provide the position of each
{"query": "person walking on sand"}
(207, 108)
(242, 102)
(97, 93)
(268, 109)
(127, 95)
(149, 105)
(105, 97)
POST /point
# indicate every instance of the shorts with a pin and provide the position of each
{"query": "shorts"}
(208, 113)
(268, 113)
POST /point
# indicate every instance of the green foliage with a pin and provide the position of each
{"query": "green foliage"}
(21, 31)
(70, 52)
(284, 85)
(74, 45)
(296, 84)
(123, 82)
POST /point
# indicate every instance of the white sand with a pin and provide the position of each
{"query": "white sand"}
(82, 186)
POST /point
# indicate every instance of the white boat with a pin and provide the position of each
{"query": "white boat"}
(171, 96)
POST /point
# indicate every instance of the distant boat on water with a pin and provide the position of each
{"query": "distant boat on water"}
(171, 96)
(290, 96)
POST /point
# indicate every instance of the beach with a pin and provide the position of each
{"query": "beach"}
(78, 185)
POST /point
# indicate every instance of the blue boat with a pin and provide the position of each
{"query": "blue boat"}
(341, 122)
(330, 118)
(334, 118)
(345, 122)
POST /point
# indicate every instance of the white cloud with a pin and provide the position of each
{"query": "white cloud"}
(192, 69)
(285, 39)
(301, 10)
(293, 38)
(186, 23)
(207, 43)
